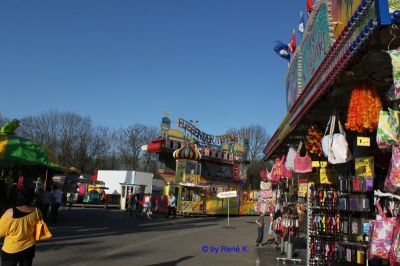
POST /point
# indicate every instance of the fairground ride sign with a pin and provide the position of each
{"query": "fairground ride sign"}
(293, 88)
(204, 137)
(317, 42)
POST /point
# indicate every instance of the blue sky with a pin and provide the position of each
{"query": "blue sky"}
(125, 62)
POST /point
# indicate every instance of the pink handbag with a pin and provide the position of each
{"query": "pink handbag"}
(302, 165)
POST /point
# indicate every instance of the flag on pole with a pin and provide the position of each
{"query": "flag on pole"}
(292, 43)
(302, 23)
(310, 6)
(282, 50)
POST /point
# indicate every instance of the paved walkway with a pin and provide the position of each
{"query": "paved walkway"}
(111, 237)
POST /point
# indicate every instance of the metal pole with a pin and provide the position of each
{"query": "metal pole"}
(228, 212)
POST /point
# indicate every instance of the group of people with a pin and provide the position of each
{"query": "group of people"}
(140, 205)
(277, 231)
(49, 199)
(274, 232)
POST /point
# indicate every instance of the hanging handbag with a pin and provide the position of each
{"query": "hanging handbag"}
(42, 231)
(381, 235)
(302, 165)
(265, 185)
(392, 181)
(290, 158)
(335, 144)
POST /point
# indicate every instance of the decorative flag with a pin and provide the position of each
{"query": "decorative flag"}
(282, 50)
(292, 43)
(310, 6)
(302, 23)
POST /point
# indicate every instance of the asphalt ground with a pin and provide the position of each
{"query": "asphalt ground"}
(111, 237)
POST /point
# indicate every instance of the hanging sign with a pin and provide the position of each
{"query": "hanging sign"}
(227, 194)
(364, 166)
(317, 42)
(302, 190)
(315, 164)
(204, 137)
(327, 176)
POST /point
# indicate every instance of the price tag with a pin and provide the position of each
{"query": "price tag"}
(323, 163)
(363, 141)
(315, 163)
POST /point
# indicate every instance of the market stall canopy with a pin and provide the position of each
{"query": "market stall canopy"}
(17, 151)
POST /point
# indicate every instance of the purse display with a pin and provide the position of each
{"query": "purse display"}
(302, 165)
(335, 145)
(290, 158)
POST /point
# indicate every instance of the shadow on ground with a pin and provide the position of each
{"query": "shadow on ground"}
(172, 263)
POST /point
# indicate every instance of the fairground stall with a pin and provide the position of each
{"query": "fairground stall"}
(197, 166)
(340, 134)
(23, 162)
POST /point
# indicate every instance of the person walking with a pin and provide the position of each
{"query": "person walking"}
(18, 227)
(146, 207)
(45, 203)
(169, 200)
(260, 229)
(57, 200)
(172, 206)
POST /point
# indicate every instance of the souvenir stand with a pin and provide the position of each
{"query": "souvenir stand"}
(343, 91)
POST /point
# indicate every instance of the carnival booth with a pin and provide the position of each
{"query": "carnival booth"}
(23, 162)
(341, 131)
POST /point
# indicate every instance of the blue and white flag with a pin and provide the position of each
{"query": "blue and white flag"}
(282, 50)
(302, 23)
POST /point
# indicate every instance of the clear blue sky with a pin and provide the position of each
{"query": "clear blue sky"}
(124, 62)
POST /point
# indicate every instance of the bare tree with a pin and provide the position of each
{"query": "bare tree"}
(255, 138)
(130, 142)
(72, 137)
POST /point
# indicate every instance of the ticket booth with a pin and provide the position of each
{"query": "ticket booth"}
(127, 190)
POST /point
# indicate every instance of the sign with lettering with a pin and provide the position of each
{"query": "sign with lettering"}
(292, 83)
(363, 141)
(317, 42)
(227, 194)
(204, 137)
(315, 164)
(365, 166)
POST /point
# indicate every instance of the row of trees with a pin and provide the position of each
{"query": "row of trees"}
(76, 141)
